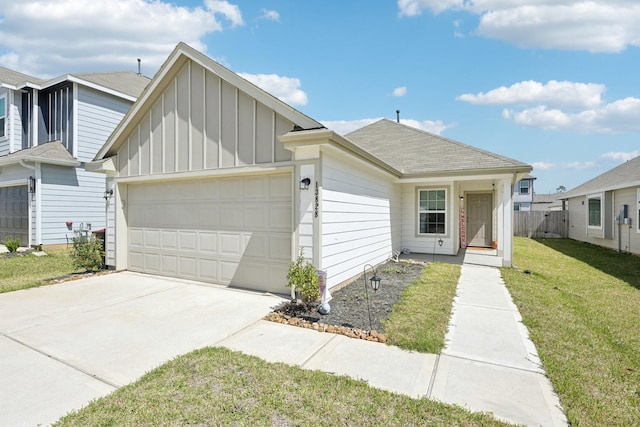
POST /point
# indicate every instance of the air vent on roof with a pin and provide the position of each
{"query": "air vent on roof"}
(139, 68)
(398, 116)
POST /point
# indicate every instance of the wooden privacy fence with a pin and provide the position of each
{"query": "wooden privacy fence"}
(550, 224)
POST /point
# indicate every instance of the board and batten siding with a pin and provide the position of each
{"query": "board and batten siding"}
(97, 116)
(627, 237)
(199, 122)
(70, 194)
(359, 223)
(12, 141)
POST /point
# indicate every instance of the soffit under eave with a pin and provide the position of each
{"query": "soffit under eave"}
(468, 174)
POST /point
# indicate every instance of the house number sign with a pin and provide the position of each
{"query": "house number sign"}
(317, 201)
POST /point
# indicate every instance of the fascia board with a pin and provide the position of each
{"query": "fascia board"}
(35, 159)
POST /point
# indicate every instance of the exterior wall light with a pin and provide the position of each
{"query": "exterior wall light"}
(305, 183)
(31, 184)
(108, 193)
(440, 241)
(375, 285)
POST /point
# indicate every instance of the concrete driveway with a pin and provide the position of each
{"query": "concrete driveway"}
(62, 346)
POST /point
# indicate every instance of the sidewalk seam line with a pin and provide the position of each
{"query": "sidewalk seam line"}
(63, 362)
(538, 371)
(432, 380)
(308, 359)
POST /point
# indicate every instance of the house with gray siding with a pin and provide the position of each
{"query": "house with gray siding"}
(605, 210)
(49, 129)
(213, 179)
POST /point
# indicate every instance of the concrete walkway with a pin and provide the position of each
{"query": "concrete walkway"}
(489, 364)
(62, 346)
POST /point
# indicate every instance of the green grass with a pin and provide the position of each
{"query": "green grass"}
(215, 386)
(581, 304)
(22, 272)
(419, 320)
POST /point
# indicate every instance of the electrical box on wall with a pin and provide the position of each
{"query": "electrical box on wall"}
(623, 216)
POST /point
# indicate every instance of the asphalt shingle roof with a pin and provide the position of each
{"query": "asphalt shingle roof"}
(414, 152)
(625, 175)
(126, 82)
(14, 78)
(50, 152)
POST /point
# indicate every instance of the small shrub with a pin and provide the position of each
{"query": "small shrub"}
(87, 252)
(303, 276)
(12, 244)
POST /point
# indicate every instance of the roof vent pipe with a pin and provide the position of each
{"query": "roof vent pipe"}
(398, 116)
(139, 69)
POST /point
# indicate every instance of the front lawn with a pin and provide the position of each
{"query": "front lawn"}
(219, 387)
(28, 271)
(581, 304)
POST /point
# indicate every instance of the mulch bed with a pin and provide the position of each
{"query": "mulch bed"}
(349, 313)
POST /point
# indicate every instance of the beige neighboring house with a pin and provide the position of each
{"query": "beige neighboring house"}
(211, 178)
(606, 210)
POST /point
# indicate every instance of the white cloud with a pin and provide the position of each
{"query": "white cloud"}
(286, 89)
(591, 25)
(542, 165)
(555, 93)
(617, 117)
(46, 38)
(270, 15)
(344, 127)
(562, 106)
(621, 156)
(400, 91)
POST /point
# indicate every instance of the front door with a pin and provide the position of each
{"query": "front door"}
(479, 207)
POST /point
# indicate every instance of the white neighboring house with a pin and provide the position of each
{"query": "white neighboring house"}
(214, 179)
(523, 194)
(605, 211)
(48, 130)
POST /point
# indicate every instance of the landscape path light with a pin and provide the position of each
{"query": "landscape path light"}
(375, 285)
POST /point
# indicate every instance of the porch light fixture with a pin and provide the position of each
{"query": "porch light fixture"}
(31, 184)
(108, 193)
(305, 183)
(375, 285)
(461, 197)
(440, 241)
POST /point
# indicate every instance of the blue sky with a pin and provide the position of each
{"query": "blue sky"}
(553, 83)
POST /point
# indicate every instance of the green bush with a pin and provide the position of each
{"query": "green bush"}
(12, 243)
(87, 252)
(303, 276)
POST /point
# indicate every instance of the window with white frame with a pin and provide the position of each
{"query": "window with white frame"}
(432, 211)
(525, 184)
(594, 211)
(3, 116)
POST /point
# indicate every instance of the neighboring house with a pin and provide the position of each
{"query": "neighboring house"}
(606, 210)
(216, 180)
(523, 194)
(48, 130)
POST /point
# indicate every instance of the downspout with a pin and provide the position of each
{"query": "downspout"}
(38, 191)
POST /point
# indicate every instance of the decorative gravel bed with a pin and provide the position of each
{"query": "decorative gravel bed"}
(349, 313)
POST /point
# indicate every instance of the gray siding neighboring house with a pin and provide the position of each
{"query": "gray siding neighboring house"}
(50, 129)
(594, 209)
(523, 194)
(214, 179)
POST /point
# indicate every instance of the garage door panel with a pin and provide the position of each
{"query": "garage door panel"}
(208, 242)
(208, 270)
(280, 217)
(169, 265)
(230, 244)
(152, 263)
(187, 240)
(188, 267)
(256, 245)
(228, 230)
(152, 238)
(169, 240)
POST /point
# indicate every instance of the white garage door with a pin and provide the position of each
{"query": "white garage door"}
(232, 231)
